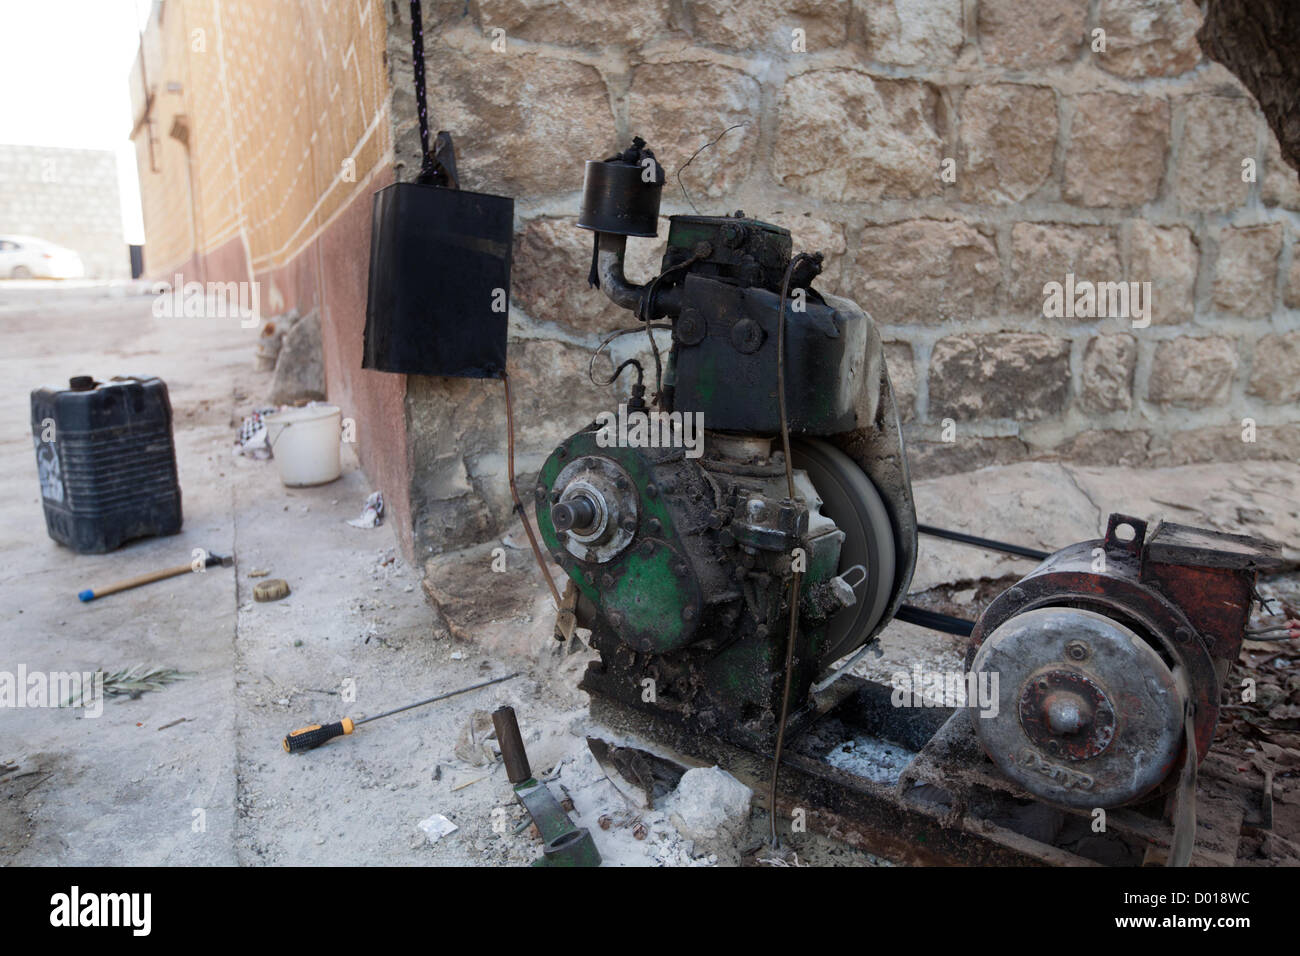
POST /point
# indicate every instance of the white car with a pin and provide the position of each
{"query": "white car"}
(24, 257)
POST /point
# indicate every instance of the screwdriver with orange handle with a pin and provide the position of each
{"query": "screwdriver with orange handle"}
(308, 738)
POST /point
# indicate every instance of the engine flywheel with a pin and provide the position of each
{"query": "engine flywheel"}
(850, 499)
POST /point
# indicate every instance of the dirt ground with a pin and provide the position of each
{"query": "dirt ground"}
(194, 773)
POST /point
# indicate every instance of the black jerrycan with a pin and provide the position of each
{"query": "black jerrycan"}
(106, 461)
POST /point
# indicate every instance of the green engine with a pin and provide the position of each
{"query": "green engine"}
(674, 518)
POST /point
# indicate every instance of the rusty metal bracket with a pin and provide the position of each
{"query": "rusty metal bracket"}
(563, 843)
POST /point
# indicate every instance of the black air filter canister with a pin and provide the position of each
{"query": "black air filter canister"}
(621, 195)
(438, 301)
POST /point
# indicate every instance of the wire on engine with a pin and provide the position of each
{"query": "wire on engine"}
(797, 578)
(591, 364)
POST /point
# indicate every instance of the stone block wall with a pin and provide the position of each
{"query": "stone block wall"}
(950, 157)
(68, 197)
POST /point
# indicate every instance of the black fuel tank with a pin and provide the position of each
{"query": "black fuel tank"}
(439, 289)
(725, 356)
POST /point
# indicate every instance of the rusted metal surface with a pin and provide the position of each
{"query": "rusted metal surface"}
(1084, 713)
(1060, 700)
(1211, 575)
(865, 814)
(950, 806)
(1115, 587)
(1139, 834)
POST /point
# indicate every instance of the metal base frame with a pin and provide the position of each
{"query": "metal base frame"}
(950, 806)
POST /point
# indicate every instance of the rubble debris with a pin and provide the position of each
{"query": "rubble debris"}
(436, 827)
(372, 515)
(472, 745)
(270, 339)
(14, 767)
(300, 368)
(710, 806)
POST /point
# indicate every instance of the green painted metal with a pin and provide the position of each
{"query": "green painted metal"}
(565, 844)
(650, 597)
(647, 590)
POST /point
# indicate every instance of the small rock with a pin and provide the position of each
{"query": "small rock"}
(300, 368)
(709, 805)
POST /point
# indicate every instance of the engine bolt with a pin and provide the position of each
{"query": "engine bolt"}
(652, 491)
(647, 548)
(555, 495)
(629, 525)
(653, 526)
(607, 581)
(1077, 650)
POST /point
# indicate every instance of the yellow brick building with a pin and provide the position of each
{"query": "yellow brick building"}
(256, 122)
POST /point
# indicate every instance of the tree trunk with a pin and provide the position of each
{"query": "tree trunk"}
(1259, 41)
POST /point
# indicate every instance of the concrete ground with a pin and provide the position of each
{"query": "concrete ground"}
(194, 773)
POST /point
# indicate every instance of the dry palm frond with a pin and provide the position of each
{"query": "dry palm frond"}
(128, 682)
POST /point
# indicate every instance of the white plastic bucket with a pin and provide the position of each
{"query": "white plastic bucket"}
(305, 443)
